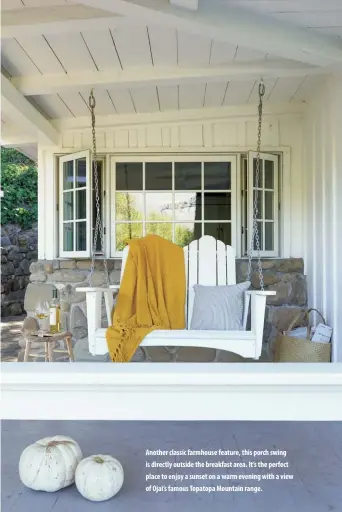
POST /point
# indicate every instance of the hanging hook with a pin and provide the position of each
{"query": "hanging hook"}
(261, 88)
(92, 102)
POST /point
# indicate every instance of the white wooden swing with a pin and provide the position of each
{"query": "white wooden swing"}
(207, 262)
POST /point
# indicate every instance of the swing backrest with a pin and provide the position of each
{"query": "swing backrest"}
(208, 262)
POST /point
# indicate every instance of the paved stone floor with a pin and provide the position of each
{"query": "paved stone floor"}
(10, 335)
(314, 452)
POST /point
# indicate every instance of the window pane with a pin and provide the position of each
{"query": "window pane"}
(163, 229)
(217, 206)
(68, 205)
(68, 236)
(68, 175)
(188, 206)
(126, 232)
(158, 176)
(81, 236)
(261, 238)
(260, 184)
(187, 232)
(259, 195)
(81, 204)
(188, 176)
(269, 236)
(129, 206)
(158, 206)
(219, 230)
(269, 210)
(269, 174)
(81, 172)
(129, 176)
(217, 175)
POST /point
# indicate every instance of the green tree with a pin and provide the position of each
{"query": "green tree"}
(183, 236)
(126, 210)
(19, 181)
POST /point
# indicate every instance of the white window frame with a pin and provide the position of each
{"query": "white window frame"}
(174, 158)
(275, 159)
(108, 184)
(72, 158)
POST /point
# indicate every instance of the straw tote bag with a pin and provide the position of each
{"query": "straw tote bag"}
(291, 349)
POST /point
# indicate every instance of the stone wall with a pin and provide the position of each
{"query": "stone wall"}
(18, 251)
(285, 276)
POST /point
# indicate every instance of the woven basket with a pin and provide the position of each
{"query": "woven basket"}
(289, 349)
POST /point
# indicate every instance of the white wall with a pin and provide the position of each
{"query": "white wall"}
(323, 204)
(227, 132)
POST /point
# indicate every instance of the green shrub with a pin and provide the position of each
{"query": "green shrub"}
(19, 182)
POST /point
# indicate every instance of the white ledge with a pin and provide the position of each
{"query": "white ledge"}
(166, 391)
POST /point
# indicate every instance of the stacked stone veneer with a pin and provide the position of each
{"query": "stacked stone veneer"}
(285, 276)
(18, 251)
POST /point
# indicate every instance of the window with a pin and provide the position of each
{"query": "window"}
(179, 200)
(267, 203)
(77, 205)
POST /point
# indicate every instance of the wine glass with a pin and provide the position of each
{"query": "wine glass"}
(42, 313)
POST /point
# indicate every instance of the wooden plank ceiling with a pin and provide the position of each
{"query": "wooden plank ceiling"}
(153, 47)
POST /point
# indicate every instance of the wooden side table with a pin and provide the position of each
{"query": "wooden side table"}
(49, 341)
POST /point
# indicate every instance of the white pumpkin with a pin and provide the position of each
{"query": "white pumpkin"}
(50, 463)
(99, 477)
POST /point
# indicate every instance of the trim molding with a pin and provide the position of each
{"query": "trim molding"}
(161, 391)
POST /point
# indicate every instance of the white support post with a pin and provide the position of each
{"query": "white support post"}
(246, 310)
(93, 317)
(258, 305)
(109, 302)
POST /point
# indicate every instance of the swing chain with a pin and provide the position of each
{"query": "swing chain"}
(255, 230)
(98, 231)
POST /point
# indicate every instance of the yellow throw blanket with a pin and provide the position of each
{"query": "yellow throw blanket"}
(151, 295)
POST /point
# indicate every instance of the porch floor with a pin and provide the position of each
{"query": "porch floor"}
(313, 451)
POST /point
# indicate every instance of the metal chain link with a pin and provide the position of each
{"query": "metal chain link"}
(255, 231)
(98, 231)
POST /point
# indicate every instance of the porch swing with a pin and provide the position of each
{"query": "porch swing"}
(208, 262)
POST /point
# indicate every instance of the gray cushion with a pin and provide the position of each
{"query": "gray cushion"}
(219, 308)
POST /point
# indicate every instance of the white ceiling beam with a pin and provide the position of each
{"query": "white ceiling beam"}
(25, 115)
(60, 20)
(229, 23)
(185, 4)
(33, 85)
(183, 116)
(13, 137)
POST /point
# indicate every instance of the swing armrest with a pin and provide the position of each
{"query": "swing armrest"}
(91, 289)
(100, 289)
(260, 292)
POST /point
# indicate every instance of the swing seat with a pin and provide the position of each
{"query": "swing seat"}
(207, 262)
